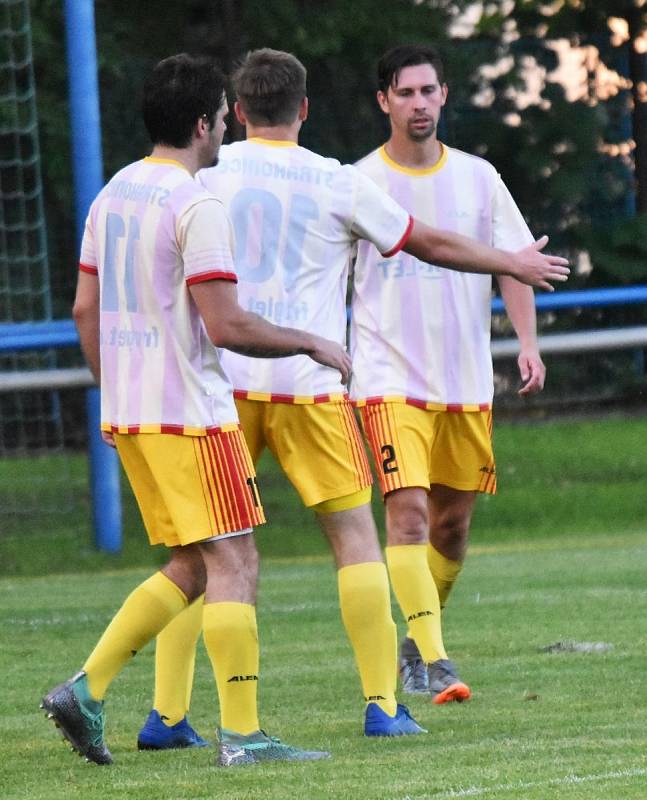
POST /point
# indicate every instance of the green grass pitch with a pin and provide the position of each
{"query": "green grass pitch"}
(558, 555)
(569, 725)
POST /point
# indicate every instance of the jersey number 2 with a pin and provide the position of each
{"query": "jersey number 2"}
(388, 462)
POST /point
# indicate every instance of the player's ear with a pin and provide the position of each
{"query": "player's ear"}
(201, 127)
(240, 114)
(444, 90)
(383, 101)
(303, 110)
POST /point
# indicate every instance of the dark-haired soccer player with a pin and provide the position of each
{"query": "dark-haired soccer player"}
(422, 370)
(156, 297)
(297, 217)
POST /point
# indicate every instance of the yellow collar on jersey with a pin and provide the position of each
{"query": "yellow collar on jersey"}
(272, 142)
(172, 161)
(410, 170)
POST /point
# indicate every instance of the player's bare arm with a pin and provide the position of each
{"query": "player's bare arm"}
(519, 302)
(230, 326)
(86, 317)
(529, 266)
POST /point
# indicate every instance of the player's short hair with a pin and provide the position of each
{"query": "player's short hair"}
(179, 91)
(270, 85)
(407, 55)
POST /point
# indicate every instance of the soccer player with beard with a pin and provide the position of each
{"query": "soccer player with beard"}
(297, 217)
(422, 369)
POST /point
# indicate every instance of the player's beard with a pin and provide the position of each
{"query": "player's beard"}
(421, 134)
(215, 157)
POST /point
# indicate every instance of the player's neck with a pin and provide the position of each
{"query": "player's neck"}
(274, 133)
(187, 157)
(414, 155)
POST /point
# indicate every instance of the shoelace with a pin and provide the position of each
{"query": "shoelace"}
(416, 671)
(95, 723)
(273, 739)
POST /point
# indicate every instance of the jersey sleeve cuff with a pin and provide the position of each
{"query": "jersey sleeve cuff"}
(402, 242)
(214, 275)
(89, 268)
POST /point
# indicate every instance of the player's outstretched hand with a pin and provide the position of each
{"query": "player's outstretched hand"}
(331, 354)
(535, 268)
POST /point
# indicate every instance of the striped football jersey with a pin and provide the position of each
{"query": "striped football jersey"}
(421, 333)
(150, 234)
(296, 217)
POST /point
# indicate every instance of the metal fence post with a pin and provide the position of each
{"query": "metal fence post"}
(87, 165)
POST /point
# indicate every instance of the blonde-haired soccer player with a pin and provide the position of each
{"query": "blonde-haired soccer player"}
(297, 217)
(156, 297)
(422, 370)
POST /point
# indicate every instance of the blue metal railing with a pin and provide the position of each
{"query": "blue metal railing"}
(62, 332)
(106, 497)
(626, 295)
(22, 336)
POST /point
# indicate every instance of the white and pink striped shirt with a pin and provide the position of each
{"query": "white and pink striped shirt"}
(296, 218)
(420, 333)
(152, 232)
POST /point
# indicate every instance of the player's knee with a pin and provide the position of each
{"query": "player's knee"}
(188, 575)
(450, 533)
(407, 526)
(234, 556)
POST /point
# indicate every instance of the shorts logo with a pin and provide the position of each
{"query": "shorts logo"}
(489, 470)
(419, 614)
(240, 678)
(373, 697)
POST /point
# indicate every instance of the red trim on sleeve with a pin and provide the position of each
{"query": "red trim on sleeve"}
(212, 276)
(91, 270)
(402, 241)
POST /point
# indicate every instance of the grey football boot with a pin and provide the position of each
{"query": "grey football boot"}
(444, 684)
(79, 717)
(235, 749)
(413, 670)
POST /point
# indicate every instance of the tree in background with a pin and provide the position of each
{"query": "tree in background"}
(585, 158)
(556, 154)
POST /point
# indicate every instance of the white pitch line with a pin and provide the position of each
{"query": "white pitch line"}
(480, 791)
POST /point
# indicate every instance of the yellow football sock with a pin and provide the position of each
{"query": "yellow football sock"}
(444, 572)
(175, 661)
(148, 609)
(231, 639)
(365, 605)
(418, 598)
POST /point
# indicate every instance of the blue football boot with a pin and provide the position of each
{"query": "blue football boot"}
(156, 735)
(379, 723)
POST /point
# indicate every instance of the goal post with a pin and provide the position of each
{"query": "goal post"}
(31, 418)
(87, 167)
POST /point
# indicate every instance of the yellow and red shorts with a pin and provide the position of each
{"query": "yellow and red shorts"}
(416, 447)
(318, 446)
(191, 488)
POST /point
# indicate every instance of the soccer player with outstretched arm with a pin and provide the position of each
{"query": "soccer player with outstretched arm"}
(297, 217)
